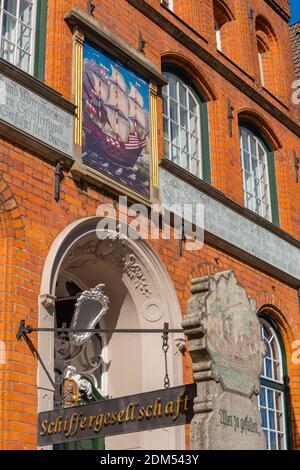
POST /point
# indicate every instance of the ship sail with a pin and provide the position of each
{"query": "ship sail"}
(119, 126)
(135, 95)
(118, 99)
(137, 114)
(118, 79)
(100, 87)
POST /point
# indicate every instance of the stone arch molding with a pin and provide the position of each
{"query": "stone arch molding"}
(143, 275)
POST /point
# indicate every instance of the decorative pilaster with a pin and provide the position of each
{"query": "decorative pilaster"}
(78, 66)
(154, 135)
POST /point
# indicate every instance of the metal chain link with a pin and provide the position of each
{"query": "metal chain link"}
(165, 348)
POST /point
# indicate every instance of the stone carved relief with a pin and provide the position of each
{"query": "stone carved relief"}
(110, 248)
(135, 273)
(227, 353)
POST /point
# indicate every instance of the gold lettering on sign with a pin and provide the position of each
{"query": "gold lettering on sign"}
(73, 425)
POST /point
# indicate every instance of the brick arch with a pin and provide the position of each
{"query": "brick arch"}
(255, 118)
(191, 70)
(12, 221)
(224, 9)
(274, 310)
(207, 268)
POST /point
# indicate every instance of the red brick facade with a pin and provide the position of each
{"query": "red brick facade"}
(31, 219)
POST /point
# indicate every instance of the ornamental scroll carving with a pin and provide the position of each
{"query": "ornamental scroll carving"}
(113, 249)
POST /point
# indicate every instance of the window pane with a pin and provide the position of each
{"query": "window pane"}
(172, 88)
(273, 441)
(10, 6)
(184, 140)
(256, 188)
(25, 12)
(174, 134)
(185, 161)
(192, 104)
(255, 168)
(246, 160)
(175, 155)
(281, 445)
(270, 395)
(183, 118)
(244, 140)
(194, 145)
(23, 60)
(278, 401)
(249, 201)
(195, 166)
(173, 110)
(193, 124)
(167, 149)
(279, 424)
(262, 396)
(165, 106)
(264, 418)
(248, 182)
(253, 146)
(9, 28)
(269, 372)
(271, 419)
(24, 38)
(166, 128)
(7, 51)
(182, 95)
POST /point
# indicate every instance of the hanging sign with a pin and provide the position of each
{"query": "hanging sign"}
(134, 413)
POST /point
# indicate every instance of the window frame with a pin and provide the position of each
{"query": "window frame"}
(218, 34)
(281, 386)
(37, 40)
(203, 125)
(271, 172)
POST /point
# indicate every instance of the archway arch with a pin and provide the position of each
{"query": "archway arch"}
(141, 296)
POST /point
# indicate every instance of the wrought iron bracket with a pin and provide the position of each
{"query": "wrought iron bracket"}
(23, 331)
(142, 43)
(296, 165)
(90, 7)
(230, 110)
(59, 176)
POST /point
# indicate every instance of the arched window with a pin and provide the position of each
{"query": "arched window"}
(185, 126)
(223, 18)
(267, 50)
(273, 397)
(259, 182)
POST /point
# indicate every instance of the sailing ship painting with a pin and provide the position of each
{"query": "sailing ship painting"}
(116, 125)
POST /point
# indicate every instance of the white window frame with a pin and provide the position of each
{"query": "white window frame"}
(33, 25)
(263, 199)
(169, 4)
(191, 159)
(267, 390)
(261, 68)
(218, 36)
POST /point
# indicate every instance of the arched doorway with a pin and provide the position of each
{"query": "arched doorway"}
(141, 295)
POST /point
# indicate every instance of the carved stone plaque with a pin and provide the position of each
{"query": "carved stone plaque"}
(227, 352)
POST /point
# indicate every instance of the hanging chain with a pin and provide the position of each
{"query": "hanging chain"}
(165, 348)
